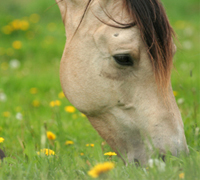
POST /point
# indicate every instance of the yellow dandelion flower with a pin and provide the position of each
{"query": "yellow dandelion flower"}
(47, 152)
(181, 175)
(110, 154)
(34, 18)
(175, 93)
(33, 90)
(81, 154)
(83, 115)
(61, 95)
(57, 103)
(7, 29)
(6, 114)
(17, 44)
(70, 109)
(1, 139)
(24, 25)
(52, 104)
(92, 145)
(16, 24)
(36, 103)
(51, 135)
(69, 142)
(101, 168)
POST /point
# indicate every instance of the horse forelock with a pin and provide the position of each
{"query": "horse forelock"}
(156, 32)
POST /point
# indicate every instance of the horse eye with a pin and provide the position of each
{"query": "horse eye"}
(123, 59)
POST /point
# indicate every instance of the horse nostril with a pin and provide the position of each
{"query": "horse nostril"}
(163, 157)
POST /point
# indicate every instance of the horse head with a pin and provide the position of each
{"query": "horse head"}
(116, 69)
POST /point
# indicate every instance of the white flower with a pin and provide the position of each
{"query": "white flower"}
(19, 116)
(3, 97)
(14, 63)
(180, 101)
(158, 163)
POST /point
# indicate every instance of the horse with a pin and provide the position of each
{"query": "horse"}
(116, 69)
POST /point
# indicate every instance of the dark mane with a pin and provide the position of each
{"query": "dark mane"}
(157, 33)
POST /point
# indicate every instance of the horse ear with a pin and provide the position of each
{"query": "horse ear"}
(63, 8)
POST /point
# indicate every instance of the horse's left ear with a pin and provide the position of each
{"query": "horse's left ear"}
(62, 4)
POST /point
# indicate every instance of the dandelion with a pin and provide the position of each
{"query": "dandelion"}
(101, 168)
(110, 154)
(181, 175)
(16, 24)
(61, 95)
(34, 18)
(69, 142)
(7, 29)
(92, 145)
(83, 115)
(70, 109)
(52, 104)
(36, 103)
(175, 93)
(1, 139)
(33, 90)
(6, 114)
(55, 103)
(81, 154)
(17, 44)
(47, 152)
(24, 25)
(51, 135)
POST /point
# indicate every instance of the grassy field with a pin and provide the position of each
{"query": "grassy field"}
(32, 39)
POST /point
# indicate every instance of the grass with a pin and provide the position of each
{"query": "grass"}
(39, 56)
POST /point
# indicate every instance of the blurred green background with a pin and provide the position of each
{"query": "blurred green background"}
(32, 39)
